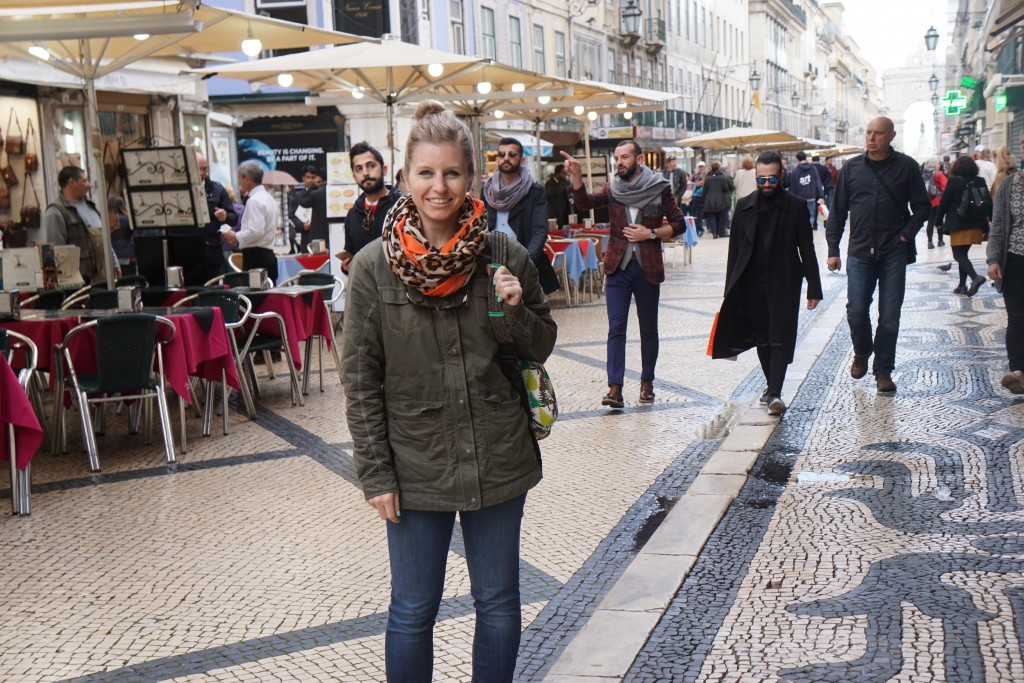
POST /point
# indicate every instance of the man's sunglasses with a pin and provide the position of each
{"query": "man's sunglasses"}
(510, 155)
(767, 180)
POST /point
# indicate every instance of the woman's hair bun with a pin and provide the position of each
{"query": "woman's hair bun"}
(428, 108)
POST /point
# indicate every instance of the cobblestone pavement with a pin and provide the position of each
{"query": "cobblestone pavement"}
(878, 538)
(256, 558)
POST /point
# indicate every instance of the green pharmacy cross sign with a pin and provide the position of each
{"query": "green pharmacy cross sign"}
(953, 102)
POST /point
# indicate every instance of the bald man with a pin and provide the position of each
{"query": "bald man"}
(883, 195)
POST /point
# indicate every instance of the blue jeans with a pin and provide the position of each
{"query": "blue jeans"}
(620, 287)
(889, 272)
(812, 208)
(418, 548)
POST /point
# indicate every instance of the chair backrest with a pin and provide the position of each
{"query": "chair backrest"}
(231, 304)
(49, 300)
(236, 279)
(235, 261)
(124, 351)
(132, 281)
(103, 298)
(10, 342)
(314, 279)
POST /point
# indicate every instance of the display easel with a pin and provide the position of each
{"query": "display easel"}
(166, 200)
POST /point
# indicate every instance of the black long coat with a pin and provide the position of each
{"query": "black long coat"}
(790, 260)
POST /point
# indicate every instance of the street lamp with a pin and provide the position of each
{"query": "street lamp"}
(935, 101)
(576, 9)
(824, 117)
(631, 17)
(931, 39)
(755, 80)
(795, 99)
(933, 82)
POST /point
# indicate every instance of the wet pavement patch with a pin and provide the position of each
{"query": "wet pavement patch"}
(653, 521)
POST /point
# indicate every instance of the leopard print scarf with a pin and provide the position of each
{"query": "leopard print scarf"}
(433, 271)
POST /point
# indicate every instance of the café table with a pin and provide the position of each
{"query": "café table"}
(305, 316)
(290, 266)
(20, 437)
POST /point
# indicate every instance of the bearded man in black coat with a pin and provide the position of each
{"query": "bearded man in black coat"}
(771, 253)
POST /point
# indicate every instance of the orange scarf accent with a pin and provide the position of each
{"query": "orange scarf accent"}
(414, 249)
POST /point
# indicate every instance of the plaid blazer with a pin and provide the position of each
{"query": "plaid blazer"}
(618, 218)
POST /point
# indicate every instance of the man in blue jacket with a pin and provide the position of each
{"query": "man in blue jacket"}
(518, 207)
(805, 183)
(874, 191)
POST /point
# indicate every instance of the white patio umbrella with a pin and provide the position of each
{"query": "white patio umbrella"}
(736, 139)
(89, 40)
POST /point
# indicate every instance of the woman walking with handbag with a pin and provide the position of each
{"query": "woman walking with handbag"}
(964, 227)
(437, 427)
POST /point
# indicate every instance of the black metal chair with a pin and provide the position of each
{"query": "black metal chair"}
(102, 299)
(126, 346)
(47, 300)
(12, 343)
(237, 279)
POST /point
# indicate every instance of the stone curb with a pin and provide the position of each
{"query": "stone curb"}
(606, 646)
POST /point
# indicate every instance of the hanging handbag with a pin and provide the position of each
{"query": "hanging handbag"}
(15, 144)
(530, 379)
(31, 158)
(29, 214)
(5, 199)
(7, 173)
(14, 235)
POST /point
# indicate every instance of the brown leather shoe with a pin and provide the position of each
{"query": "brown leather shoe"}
(859, 366)
(885, 384)
(613, 399)
(646, 393)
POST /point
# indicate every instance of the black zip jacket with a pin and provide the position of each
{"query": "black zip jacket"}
(876, 223)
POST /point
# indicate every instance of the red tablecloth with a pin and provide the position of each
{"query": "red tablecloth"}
(16, 410)
(312, 261)
(304, 316)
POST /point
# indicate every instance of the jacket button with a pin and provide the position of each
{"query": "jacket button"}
(472, 500)
(461, 401)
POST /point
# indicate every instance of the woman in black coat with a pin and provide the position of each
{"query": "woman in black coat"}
(718, 188)
(771, 252)
(963, 233)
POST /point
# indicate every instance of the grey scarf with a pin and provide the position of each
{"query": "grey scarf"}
(643, 191)
(504, 197)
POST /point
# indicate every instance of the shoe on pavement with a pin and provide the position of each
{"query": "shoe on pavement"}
(613, 399)
(945, 268)
(646, 393)
(931, 245)
(765, 398)
(976, 284)
(941, 243)
(960, 290)
(885, 384)
(859, 366)
(776, 406)
(1013, 382)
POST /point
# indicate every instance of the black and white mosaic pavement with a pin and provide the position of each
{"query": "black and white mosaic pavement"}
(878, 538)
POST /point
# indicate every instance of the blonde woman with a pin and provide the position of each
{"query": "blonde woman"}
(1005, 165)
(437, 427)
(745, 180)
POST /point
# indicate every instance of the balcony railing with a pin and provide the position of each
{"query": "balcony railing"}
(654, 31)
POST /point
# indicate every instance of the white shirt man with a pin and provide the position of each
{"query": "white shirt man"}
(260, 220)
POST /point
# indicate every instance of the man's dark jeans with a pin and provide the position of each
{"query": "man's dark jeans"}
(889, 273)
(621, 286)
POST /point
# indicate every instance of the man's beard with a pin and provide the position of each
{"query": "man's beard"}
(768, 192)
(629, 172)
(377, 186)
(509, 167)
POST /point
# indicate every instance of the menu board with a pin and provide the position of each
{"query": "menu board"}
(164, 187)
(342, 190)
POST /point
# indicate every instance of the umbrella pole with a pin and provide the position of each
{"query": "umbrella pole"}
(537, 151)
(586, 150)
(95, 141)
(391, 137)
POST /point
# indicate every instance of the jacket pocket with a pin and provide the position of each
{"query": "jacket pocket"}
(508, 454)
(400, 315)
(416, 434)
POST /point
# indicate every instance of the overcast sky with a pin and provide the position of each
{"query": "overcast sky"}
(889, 31)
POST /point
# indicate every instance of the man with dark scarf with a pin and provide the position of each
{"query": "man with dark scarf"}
(771, 252)
(518, 207)
(638, 201)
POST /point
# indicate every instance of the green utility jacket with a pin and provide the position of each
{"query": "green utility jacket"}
(431, 415)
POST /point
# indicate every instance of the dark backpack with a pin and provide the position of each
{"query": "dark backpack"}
(929, 183)
(975, 203)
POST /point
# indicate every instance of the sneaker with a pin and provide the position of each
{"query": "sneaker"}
(976, 284)
(884, 383)
(1013, 382)
(941, 242)
(859, 366)
(613, 399)
(765, 397)
(646, 393)
(776, 406)
(960, 290)
(945, 267)
(931, 245)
